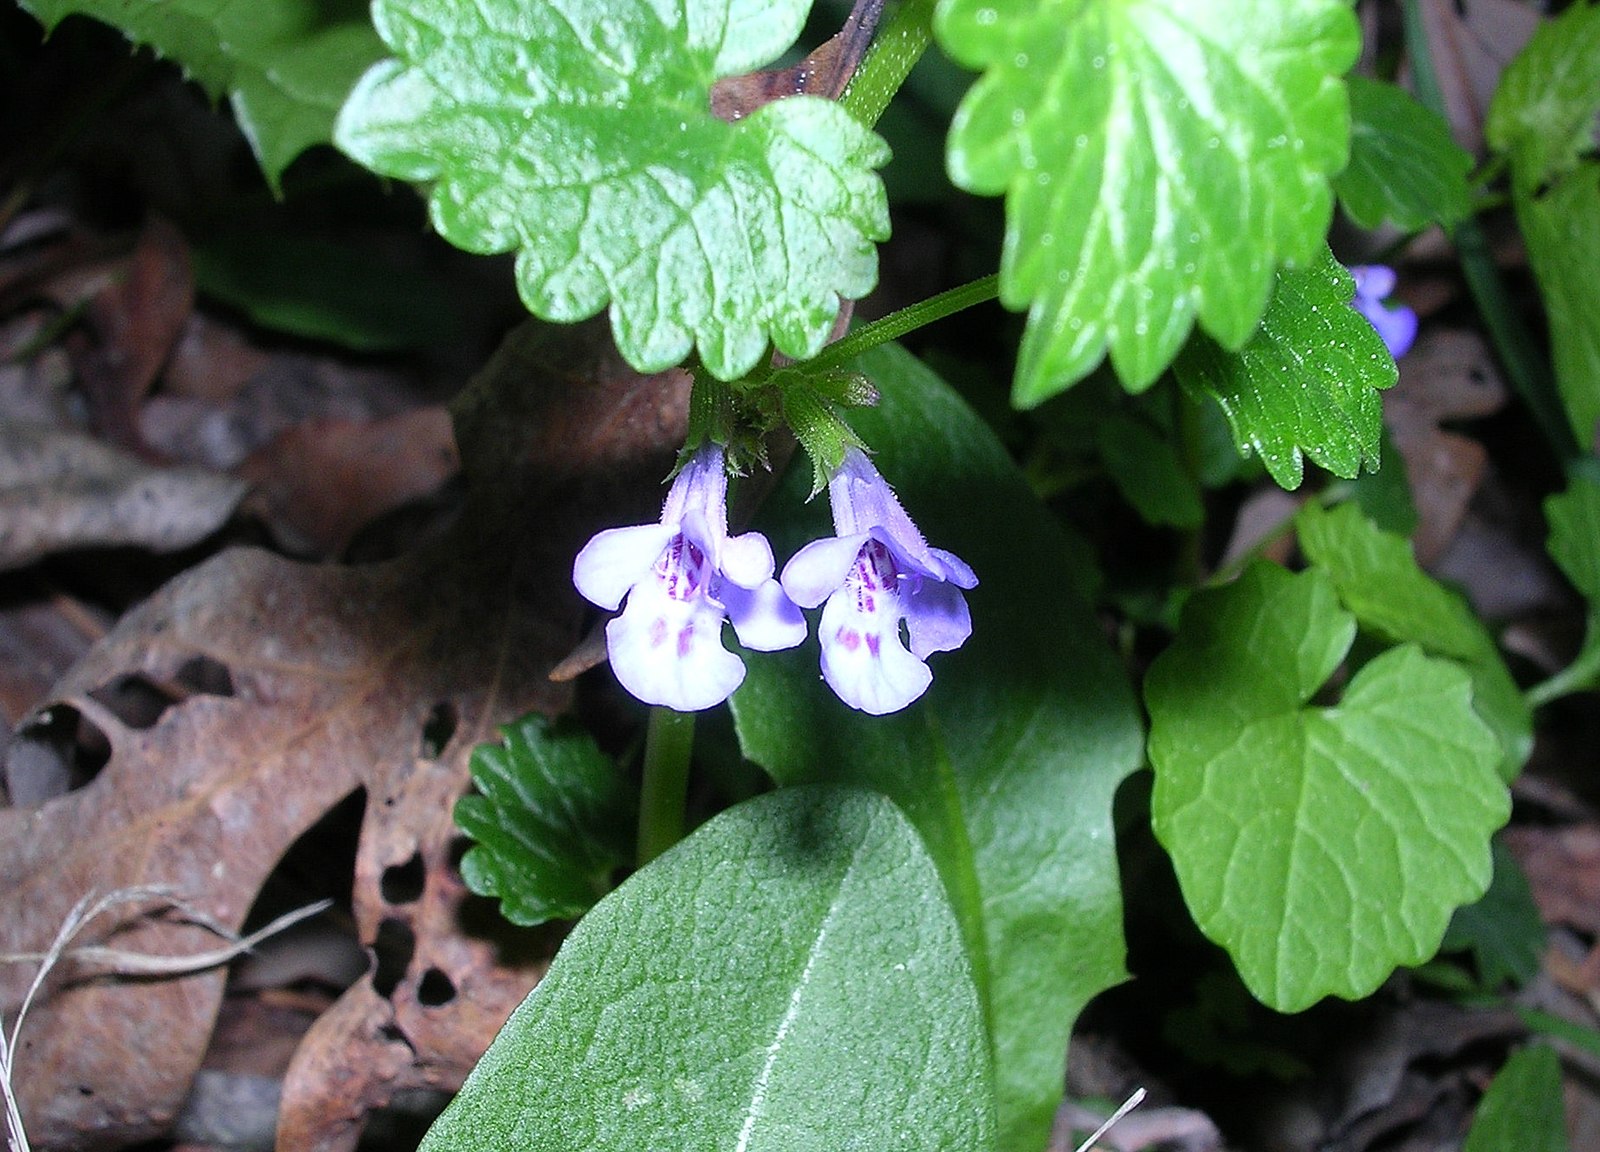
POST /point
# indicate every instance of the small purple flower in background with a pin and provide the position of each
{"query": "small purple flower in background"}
(682, 578)
(875, 573)
(1397, 325)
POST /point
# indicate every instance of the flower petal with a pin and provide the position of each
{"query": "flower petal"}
(956, 570)
(670, 652)
(764, 617)
(1373, 281)
(863, 660)
(615, 560)
(1397, 326)
(747, 559)
(937, 619)
(813, 573)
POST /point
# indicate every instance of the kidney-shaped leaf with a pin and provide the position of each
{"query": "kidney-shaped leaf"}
(791, 976)
(1160, 159)
(581, 135)
(1322, 846)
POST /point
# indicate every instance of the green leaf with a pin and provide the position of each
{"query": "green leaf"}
(1160, 159)
(551, 818)
(1008, 765)
(1307, 382)
(324, 288)
(1503, 930)
(1148, 473)
(1405, 168)
(789, 977)
(1377, 578)
(580, 135)
(285, 65)
(1321, 846)
(1574, 519)
(1543, 113)
(1523, 1108)
(1561, 226)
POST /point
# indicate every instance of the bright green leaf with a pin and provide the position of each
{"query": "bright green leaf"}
(789, 977)
(551, 816)
(1503, 930)
(286, 65)
(1523, 1108)
(1008, 765)
(1561, 226)
(1148, 473)
(1321, 846)
(1544, 110)
(1377, 579)
(580, 135)
(1405, 168)
(1307, 382)
(1160, 159)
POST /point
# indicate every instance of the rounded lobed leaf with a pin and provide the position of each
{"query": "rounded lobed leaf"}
(1160, 159)
(1321, 846)
(579, 134)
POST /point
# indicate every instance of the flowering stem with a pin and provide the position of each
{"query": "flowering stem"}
(894, 52)
(663, 793)
(897, 324)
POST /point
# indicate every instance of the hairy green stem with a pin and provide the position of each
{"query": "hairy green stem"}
(894, 52)
(664, 791)
(897, 324)
(1524, 361)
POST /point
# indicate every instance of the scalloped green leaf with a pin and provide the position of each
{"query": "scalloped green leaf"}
(1160, 159)
(578, 133)
(1377, 578)
(1306, 384)
(551, 818)
(286, 66)
(1405, 167)
(789, 977)
(1544, 110)
(1321, 846)
(1524, 1107)
(1009, 765)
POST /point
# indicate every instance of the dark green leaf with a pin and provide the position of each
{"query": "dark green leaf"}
(1544, 110)
(1321, 846)
(1307, 382)
(552, 818)
(1405, 168)
(789, 977)
(1377, 579)
(1503, 930)
(1160, 159)
(1574, 519)
(286, 65)
(1008, 765)
(1147, 471)
(1523, 1109)
(580, 135)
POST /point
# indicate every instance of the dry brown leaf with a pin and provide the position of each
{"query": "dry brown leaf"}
(1450, 375)
(1472, 41)
(1563, 867)
(62, 489)
(306, 683)
(319, 482)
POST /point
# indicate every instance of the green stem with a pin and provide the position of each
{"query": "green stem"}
(1579, 676)
(897, 324)
(664, 791)
(1524, 361)
(894, 52)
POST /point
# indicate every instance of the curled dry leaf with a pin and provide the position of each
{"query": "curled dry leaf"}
(288, 687)
(1472, 41)
(62, 489)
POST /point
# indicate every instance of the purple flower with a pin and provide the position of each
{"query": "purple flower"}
(875, 573)
(682, 578)
(1397, 325)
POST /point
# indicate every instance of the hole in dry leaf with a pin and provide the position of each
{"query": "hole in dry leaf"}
(135, 700)
(392, 950)
(435, 989)
(53, 754)
(203, 676)
(438, 728)
(402, 883)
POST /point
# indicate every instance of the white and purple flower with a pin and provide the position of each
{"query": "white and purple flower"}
(682, 578)
(1398, 324)
(875, 573)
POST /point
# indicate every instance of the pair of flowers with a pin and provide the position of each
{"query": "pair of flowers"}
(682, 578)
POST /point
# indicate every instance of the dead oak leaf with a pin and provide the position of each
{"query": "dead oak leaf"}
(290, 687)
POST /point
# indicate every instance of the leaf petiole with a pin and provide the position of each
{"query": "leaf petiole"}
(897, 324)
(894, 52)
